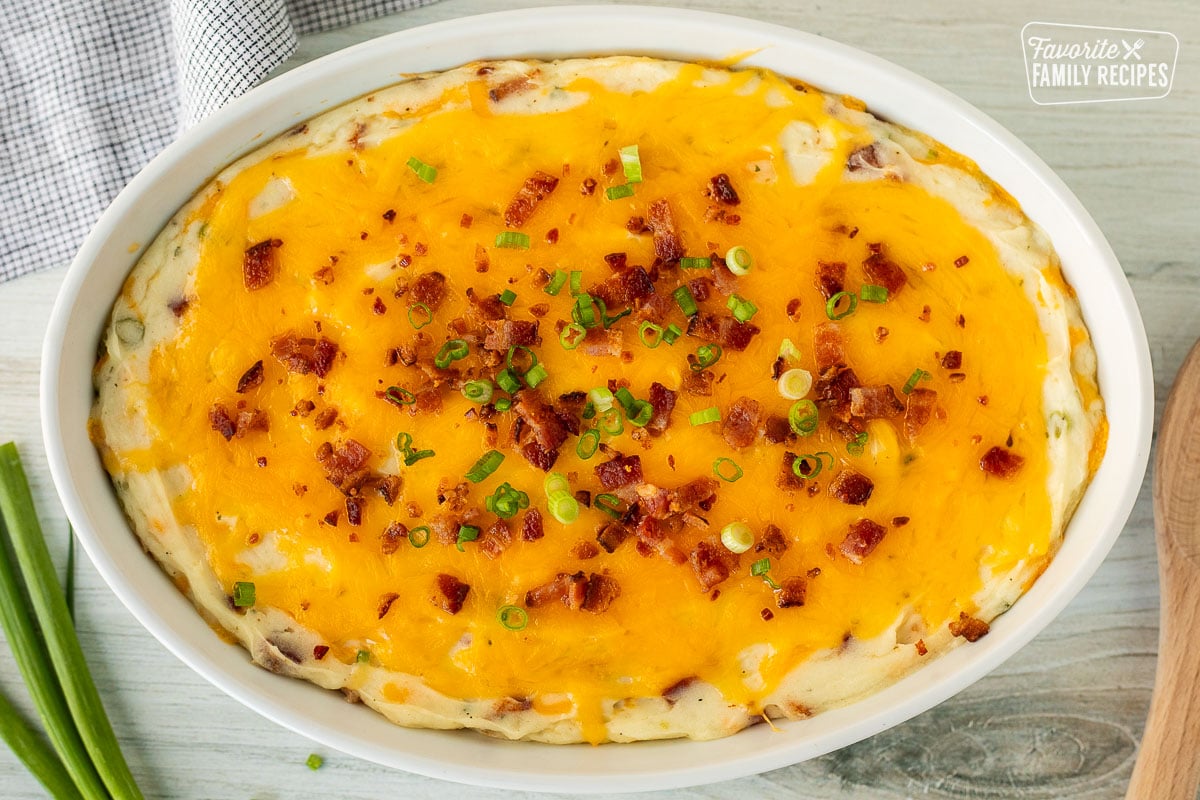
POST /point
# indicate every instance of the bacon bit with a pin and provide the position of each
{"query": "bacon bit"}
(624, 288)
(620, 471)
(331, 519)
(482, 262)
(773, 542)
(505, 333)
(874, 402)
(767, 614)
(517, 85)
(721, 190)
(385, 604)
(740, 425)
(388, 487)
(531, 526)
(261, 461)
(701, 288)
(711, 562)
(179, 307)
(545, 423)
(354, 511)
(861, 541)
(570, 590)
(535, 189)
(378, 307)
(725, 331)
(788, 480)
(465, 221)
(851, 488)
(260, 263)
(584, 498)
(957, 377)
(251, 378)
(663, 401)
(588, 187)
(343, 463)
(969, 628)
(667, 245)
(325, 418)
(952, 360)
(961, 262)
(881, 333)
(390, 214)
(429, 288)
(584, 550)
(616, 261)
(610, 535)
(221, 422)
(791, 592)
(427, 401)
(828, 348)
(698, 384)
(675, 691)
(777, 430)
(600, 593)
(603, 343)
(1001, 462)
(254, 420)
(926, 312)
(921, 648)
(793, 308)
(921, 403)
(864, 158)
(637, 225)
(496, 539)
(833, 391)
(961, 321)
(540, 310)
(393, 535)
(539, 456)
(451, 593)
(303, 355)
(879, 269)
(552, 236)
(831, 277)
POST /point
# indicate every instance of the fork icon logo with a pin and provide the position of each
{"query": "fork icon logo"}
(1133, 49)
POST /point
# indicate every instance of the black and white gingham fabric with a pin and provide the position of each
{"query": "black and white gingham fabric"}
(91, 90)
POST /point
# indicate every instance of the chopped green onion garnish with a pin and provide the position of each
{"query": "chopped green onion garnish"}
(685, 300)
(404, 442)
(743, 310)
(588, 444)
(788, 350)
(518, 369)
(760, 568)
(503, 404)
(672, 333)
(803, 417)
(576, 282)
(423, 170)
(641, 413)
(451, 351)
(631, 163)
(831, 305)
(693, 262)
(506, 501)
(737, 537)
(612, 422)
(513, 239)
(624, 398)
(479, 391)
(800, 468)
(363, 657)
(605, 318)
(556, 483)
(413, 457)
(508, 296)
(584, 312)
(507, 380)
(314, 761)
(795, 383)
(601, 397)
(727, 469)
(914, 379)
(650, 334)
(419, 315)
(738, 260)
(712, 414)
(243, 594)
(514, 618)
(466, 533)
(572, 336)
(536, 374)
(706, 356)
(873, 294)
(858, 446)
(419, 537)
(564, 508)
(618, 192)
(399, 396)
(486, 465)
(557, 281)
(610, 504)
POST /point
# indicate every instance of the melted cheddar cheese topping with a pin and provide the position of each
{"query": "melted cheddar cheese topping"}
(354, 222)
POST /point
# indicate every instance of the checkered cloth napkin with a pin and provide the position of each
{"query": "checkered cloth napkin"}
(91, 90)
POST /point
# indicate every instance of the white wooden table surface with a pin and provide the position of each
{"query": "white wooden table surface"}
(1061, 719)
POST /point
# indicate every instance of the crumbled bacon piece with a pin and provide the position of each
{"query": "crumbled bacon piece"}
(385, 604)
(791, 592)
(303, 355)
(833, 390)
(616, 261)
(482, 261)
(637, 225)
(260, 263)
(252, 420)
(451, 593)
(429, 288)
(777, 430)
(881, 270)
(874, 402)
(793, 308)
(584, 550)
(663, 401)
(535, 189)
(1001, 462)
(864, 536)
(488, 306)
(620, 471)
(505, 333)
(611, 534)
(543, 421)
(588, 186)
(624, 288)
(570, 590)
(952, 360)
(531, 526)
(711, 562)
(251, 378)
(667, 245)
(831, 277)
(393, 535)
(721, 190)
(698, 384)
(851, 487)
(724, 330)
(354, 510)
(344, 462)
(496, 539)
(221, 422)
(921, 648)
(701, 288)
(921, 403)
(740, 425)
(179, 307)
(388, 487)
(603, 343)
(517, 85)
(539, 456)
(828, 348)
(969, 627)
(773, 542)
(863, 158)
(600, 593)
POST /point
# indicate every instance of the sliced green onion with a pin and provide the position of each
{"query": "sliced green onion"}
(589, 410)
(419, 537)
(506, 501)
(514, 618)
(601, 397)
(832, 304)
(672, 333)
(727, 469)
(536, 374)
(479, 391)
(798, 467)
(503, 404)
(516, 369)
(612, 422)
(917, 376)
(873, 294)
(625, 399)
(243, 594)
(650, 334)
(685, 300)
(513, 239)
(556, 483)
(743, 310)
(399, 396)
(584, 312)
(451, 351)
(631, 163)
(508, 296)
(737, 537)
(486, 465)
(618, 192)
(557, 281)
(712, 414)
(788, 350)
(588, 444)
(314, 761)
(466, 533)
(419, 315)
(738, 260)
(605, 318)
(641, 413)
(859, 445)
(706, 356)
(803, 417)
(760, 568)
(363, 657)
(423, 170)
(695, 262)
(564, 508)
(404, 442)
(610, 504)
(795, 383)
(576, 282)
(418, 455)
(572, 336)
(507, 380)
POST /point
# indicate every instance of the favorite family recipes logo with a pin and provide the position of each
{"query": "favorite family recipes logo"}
(1087, 64)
